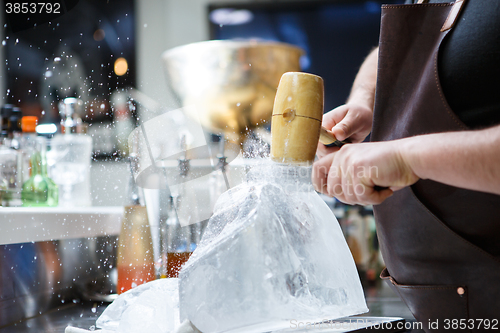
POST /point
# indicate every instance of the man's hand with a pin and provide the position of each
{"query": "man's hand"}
(353, 121)
(365, 173)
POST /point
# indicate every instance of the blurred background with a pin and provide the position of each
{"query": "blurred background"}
(110, 56)
(99, 48)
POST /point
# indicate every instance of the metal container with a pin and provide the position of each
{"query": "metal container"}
(231, 84)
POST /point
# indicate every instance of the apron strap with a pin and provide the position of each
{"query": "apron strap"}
(452, 16)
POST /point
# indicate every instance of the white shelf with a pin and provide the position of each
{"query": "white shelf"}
(34, 224)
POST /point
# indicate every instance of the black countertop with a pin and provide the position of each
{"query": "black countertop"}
(381, 301)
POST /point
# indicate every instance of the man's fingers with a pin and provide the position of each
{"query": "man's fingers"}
(364, 173)
(373, 196)
(382, 195)
(320, 173)
(323, 150)
(358, 194)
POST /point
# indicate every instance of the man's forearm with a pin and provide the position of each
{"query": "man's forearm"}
(468, 159)
(363, 88)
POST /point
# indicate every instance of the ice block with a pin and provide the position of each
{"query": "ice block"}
(273, 253)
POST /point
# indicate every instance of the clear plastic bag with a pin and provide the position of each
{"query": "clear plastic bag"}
(273, 255)
(150, 307)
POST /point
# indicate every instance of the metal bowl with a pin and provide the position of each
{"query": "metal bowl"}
(231, 84)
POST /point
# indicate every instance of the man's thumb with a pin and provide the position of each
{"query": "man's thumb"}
(343, 129)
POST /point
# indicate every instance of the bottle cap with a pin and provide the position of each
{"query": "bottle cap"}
(6, 110)
(5, 113)
(70, 106)
(15, 119)
(16, 111)
(29, 123)
(297, 116)
(70, 110)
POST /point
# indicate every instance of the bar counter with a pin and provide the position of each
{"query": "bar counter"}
(381, 301)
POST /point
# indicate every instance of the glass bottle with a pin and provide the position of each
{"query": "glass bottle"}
(10, 157)
(218, 181)
(135, 250)
(70, 156)
(135, 262)
(15, 127)
(178, 228)
(9, 176)
(28, 144)
(5, 113)
(177, 241)
(165, 204)
(357, 239)
(39, 190)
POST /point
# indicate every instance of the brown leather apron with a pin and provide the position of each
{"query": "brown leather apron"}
(431, 234)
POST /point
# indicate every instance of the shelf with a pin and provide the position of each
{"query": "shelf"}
(34, 224)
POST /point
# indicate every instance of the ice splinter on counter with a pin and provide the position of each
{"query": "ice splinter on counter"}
(273, 252)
